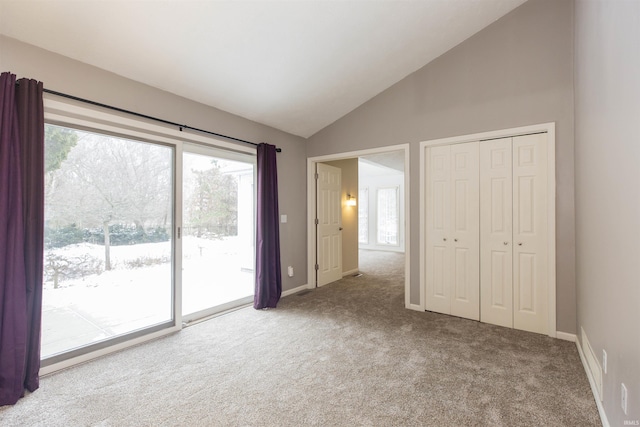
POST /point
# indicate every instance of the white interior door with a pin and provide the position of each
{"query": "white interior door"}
(465, 231)
(530, 223)
(329, 224)
(438, 218)
(496, 234)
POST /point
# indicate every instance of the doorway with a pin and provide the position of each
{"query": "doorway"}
(352, 198)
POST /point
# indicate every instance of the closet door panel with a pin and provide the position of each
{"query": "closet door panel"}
(438, 227)
(465, 233)
(496, 232)
(530, 233)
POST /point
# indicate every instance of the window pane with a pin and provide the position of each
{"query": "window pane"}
(218, 236)
(108, 238)
(363, 216)
(388, 224)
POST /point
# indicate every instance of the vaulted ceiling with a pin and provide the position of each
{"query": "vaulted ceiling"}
(295, 65)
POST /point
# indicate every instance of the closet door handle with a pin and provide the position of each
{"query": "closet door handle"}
(455, 240)
(520, 244)
(506, 243)
(445, 239)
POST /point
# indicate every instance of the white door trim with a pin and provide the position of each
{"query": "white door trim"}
(550, 129)
(311, 209)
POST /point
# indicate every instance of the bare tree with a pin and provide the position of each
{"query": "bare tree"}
(106, 180)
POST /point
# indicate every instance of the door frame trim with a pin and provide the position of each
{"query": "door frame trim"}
(311, 209)
(550, 129)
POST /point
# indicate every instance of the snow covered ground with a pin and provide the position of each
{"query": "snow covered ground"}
(137, 292)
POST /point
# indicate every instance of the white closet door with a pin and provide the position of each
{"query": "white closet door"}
(496, 283)
(465, 247)
(438, 227)
(530, 233)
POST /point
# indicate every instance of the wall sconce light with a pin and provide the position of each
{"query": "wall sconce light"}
(351, 201)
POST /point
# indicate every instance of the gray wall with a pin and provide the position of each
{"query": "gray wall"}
(66, 75)
(516, 72)
(349, 178)
(607, 112)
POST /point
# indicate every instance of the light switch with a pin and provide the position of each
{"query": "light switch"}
(283, 218)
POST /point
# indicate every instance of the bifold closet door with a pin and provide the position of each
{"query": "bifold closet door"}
(452, 254)
(530, 264)
(438, 216)
(496, 232)
(513, 232)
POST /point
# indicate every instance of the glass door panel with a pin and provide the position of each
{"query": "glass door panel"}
(108, 238)
(217, 233)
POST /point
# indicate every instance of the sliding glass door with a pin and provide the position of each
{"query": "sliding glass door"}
(108, 258)
(217, 231)
(118, 260)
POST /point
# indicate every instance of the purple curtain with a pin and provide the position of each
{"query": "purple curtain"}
(21, 234)
(268, 274)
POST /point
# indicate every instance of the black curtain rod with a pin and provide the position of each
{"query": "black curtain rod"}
(144, 116)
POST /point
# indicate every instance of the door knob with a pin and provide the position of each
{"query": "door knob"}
(520, 244)
(340, 229)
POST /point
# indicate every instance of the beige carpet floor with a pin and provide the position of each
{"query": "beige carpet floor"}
(347, 354)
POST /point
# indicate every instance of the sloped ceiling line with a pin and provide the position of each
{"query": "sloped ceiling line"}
(296, 65)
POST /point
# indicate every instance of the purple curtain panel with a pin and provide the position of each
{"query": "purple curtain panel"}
(268, 287)
(31, 123)
(21, 237)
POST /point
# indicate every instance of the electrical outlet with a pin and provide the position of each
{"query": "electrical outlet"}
(604, 360)
(290, 271)
(623, 398)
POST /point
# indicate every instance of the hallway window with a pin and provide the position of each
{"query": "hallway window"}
(363, 216)
(388, 216)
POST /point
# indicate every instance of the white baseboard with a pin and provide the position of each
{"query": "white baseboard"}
(566, 336)
(592, 383)
(295, 290)
(350, 272)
